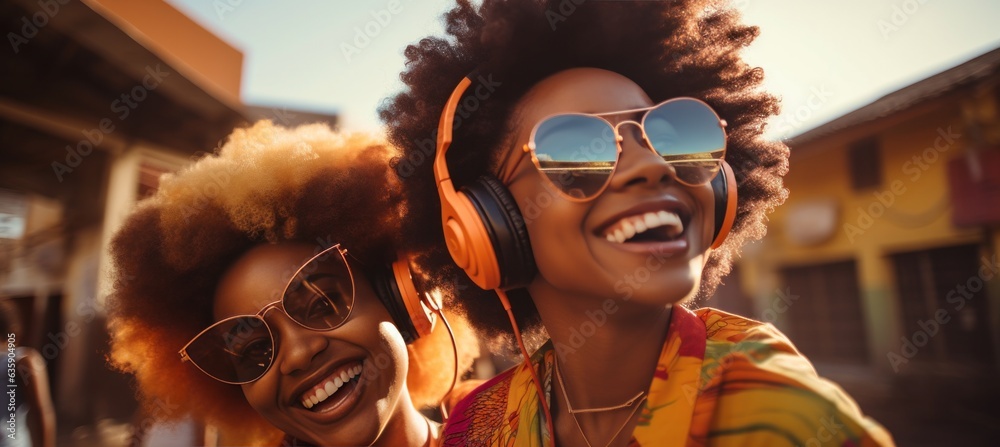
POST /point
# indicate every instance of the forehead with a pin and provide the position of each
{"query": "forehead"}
(258, 278)
(586, 90)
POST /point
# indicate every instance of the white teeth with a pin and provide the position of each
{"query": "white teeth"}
(671, 219)
(640, 225)
(651, 220)
(619, 236)
(628, 227)
(330, 387)
(663, 215)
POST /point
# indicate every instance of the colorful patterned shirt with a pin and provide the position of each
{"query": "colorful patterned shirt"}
(721, 380)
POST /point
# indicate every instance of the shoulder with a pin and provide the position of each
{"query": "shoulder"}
(726, 327)
(742, 352)
(762, 387)
(731, 337)
(461, 390)
(481, 410)
(506, 409)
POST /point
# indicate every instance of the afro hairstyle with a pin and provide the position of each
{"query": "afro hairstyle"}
(669, 48)
(266, 184)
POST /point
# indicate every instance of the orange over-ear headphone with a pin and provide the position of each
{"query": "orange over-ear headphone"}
(484, 229)
(724, 187)
(414, 312)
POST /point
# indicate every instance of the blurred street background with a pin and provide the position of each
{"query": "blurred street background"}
(883, 266)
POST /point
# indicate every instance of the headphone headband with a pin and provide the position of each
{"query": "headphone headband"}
(444, 135)
(464, 232)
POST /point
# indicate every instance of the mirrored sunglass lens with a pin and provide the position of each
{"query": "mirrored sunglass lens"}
(576, 153)
(322, 294)
(685, 129)
(695, 173)
(237, 350)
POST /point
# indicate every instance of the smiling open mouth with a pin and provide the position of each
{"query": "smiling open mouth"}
(652, 226)
(332, 390)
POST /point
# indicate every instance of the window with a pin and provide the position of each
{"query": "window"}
(865, 164)
(945, 279)
(826, 321)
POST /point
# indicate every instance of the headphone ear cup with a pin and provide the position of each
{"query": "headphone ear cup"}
(724, 187)
(394, 287)
(420, 309)
(506, 228)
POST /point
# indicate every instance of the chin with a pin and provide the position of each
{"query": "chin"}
(362, 427)
(354, 435)
(664, 288)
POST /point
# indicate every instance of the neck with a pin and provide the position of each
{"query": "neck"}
(406, 427)
(593, 337)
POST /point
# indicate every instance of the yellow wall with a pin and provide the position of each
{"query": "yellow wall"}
(913, 214)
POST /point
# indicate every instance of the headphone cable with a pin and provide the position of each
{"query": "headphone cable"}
(454, 350)
(527, 361)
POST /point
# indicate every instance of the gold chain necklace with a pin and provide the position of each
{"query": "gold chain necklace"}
(572, 412)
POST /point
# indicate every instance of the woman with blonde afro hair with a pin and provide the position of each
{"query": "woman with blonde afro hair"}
(259, 265)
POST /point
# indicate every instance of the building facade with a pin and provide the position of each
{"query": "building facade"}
(882, 266)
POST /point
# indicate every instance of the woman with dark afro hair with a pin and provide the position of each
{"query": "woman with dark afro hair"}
(604, 167)
(257, 291)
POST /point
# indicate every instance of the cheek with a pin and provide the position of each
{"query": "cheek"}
(555, 229)
(535, 201)
(388, 363)
(544, 210)
(557, 232)
(393, 347)
(262, 396)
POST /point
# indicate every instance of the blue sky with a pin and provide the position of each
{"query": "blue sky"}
(823, 58)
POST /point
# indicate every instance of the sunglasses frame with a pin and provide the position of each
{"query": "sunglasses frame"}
(530, 147)
(279, 304)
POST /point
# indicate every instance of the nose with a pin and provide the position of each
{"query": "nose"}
(638, 164)
(295, 346)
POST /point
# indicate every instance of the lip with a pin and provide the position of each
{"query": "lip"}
(327, 414)
(318, 377)
(668, 203)
(658, 249)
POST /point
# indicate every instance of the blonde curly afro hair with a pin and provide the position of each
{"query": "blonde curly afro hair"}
(267, 184)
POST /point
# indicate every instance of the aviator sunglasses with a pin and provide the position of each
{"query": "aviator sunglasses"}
(579, 152)
(241, 349)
